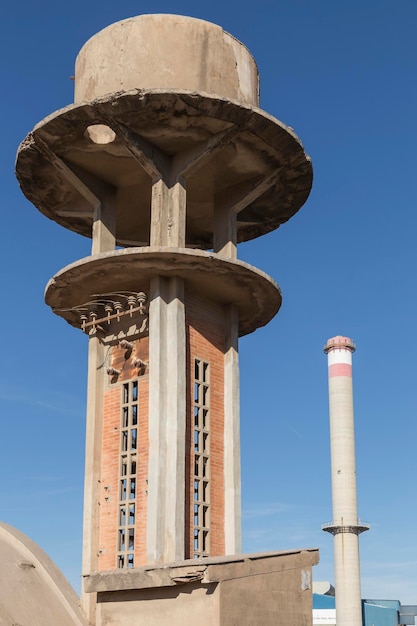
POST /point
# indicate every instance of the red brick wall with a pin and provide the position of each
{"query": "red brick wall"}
(109, 500)
(206, 340)
(109, 479)
(205, 336)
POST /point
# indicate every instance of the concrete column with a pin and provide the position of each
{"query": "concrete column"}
(345, 526)
(232, 480)
(167, 421)
(93, 448)
(168, 214)
(224, 232)
(104, 224)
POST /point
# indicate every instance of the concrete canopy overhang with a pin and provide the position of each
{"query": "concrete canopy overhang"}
(255, 154)
(203, 570)
(224, 281)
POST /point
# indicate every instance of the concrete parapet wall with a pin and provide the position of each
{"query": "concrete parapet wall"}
(263, 589)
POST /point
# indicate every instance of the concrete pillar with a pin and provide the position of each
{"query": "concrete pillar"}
(345, 526)
(94, 424)
(224, 232)
(167, 421)
(104, 224)
(232, 499)
(168, 209)
(103, 240)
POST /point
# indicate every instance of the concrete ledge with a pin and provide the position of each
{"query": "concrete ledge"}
(263, 589)
(209, 570)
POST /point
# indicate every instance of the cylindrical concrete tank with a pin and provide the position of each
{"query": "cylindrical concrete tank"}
(166, 52)
(345, 525)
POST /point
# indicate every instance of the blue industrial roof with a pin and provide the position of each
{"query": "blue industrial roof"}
(380, 614)
(323, 602)
(375, 612)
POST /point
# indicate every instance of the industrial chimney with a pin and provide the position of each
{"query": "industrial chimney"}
(345, 526)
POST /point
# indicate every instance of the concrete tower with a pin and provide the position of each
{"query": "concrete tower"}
(166, 162)
(345, 526)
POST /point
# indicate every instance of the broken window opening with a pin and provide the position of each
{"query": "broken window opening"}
(201, 439)
(127, 475)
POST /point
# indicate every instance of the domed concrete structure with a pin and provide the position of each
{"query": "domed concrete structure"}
(33, 591)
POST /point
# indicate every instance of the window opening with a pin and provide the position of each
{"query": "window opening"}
(201, 438)
(127, 475)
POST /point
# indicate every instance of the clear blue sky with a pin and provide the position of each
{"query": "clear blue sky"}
(343, 75)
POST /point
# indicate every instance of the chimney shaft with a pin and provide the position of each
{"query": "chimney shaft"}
(345, 526)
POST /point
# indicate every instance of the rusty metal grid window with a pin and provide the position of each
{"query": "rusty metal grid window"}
(201, 434)
(127, 475)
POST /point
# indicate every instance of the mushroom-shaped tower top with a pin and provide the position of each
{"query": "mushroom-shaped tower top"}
(339, 343)
(174, 98)
(166, 52)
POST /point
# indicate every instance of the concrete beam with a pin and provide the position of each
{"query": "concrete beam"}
(190, 161)
(154, 161)
(103, 210)
(240, 196)
(66, 171)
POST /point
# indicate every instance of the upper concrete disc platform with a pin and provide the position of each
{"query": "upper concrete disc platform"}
(223, 281)
(255, 148)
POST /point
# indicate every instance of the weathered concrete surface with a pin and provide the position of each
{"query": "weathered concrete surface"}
(165, 536)
(166, 51)
(231, 156)
(225, 281)
(92, 474)
(266, 589)
(33, 591)
(232, 478)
